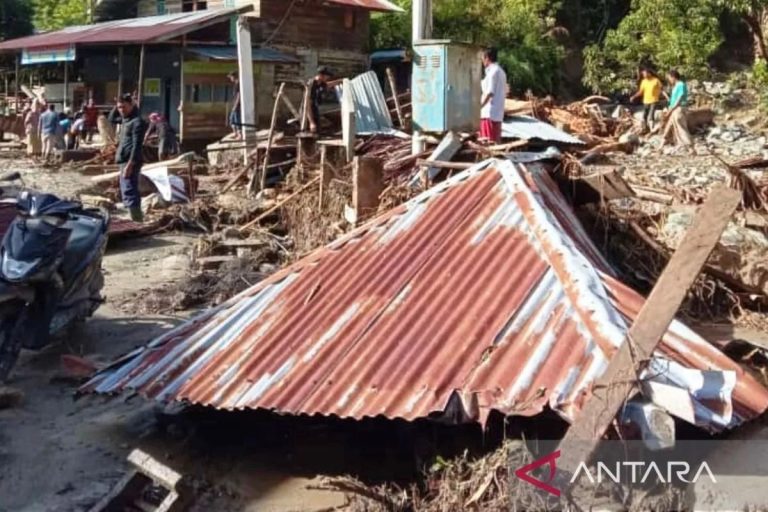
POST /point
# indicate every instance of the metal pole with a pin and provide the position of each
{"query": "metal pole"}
(119, 72)
(140, 92)
(17, 82)
(422, 29)
(66, 85)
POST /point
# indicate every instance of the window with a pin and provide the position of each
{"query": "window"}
(193, 5)
(207, 93)
(349, 19)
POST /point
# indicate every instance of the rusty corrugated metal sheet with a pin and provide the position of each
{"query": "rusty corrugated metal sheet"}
(129, 31)
(483, 293)
(370, 5)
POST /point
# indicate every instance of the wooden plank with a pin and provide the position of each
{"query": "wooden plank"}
(367, 183)
(443, 165)
(245, 66)
(265, 165)
(393, 86)
(620, 379)
(154, 469)
(213, 262)
(348, 120)
(165, 163)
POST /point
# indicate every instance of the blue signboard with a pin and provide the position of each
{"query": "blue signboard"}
(43, 56)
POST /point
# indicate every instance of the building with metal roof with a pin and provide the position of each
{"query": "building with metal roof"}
(481, 294)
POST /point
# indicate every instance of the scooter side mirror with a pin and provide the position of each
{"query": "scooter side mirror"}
(11, 176)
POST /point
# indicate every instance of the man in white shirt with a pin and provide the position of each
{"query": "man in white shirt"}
(494, 92)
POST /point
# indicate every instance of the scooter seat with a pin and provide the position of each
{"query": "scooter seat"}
(83, 238)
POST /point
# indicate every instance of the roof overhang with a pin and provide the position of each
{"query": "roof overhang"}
(150, 29)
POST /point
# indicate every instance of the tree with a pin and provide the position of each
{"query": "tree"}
(15, 19)
(522, 30)
(56, 14)
(664, 34)
(754, 13)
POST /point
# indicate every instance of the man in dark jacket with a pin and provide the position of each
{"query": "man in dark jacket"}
(129, 152)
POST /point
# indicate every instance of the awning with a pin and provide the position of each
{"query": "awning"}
(229, 53)
(150, 29)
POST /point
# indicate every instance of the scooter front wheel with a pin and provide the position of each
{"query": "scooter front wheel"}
(10, 342)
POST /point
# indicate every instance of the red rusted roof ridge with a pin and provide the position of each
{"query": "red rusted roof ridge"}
(483, 293)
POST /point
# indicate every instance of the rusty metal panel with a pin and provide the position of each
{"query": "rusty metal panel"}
(484, 293)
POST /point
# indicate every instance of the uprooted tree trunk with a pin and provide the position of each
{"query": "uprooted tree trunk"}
(757, 20)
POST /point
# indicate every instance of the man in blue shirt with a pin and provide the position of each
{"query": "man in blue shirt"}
(49, 129)
(129, 152)
(676, 118)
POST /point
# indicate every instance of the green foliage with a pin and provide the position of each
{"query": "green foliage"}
(15, 19)
(56, 14)
(664, 33)
(522, 30)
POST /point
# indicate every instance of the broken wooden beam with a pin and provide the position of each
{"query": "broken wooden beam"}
(393, 86)
(620, 379)
(265, 164)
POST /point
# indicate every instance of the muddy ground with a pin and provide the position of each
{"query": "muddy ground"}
(61, 454)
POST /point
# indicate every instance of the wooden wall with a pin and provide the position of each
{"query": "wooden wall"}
(312, 25)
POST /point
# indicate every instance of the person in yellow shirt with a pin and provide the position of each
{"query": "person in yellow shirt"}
(651, 90)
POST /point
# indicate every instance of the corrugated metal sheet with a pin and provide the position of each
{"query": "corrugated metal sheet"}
(230, 53)
(371, 110)
(129, 31)
(525, 127)
(370, 5)
(482, 293)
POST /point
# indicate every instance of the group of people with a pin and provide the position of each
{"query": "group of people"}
(674, 121)
(47, 130)
(674, 125)
(318, 87)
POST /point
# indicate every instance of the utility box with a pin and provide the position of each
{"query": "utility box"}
(446, 86)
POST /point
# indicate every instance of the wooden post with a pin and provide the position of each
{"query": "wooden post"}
(269, 139)
(367, 185)
(140, 91)
(191, 173)
(620, 379)
(119, 72)
(18, 82)
(182, 91)
(393, 86)
(348, 129)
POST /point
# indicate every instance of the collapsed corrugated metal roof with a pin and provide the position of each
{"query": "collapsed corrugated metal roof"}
(481, 294)
(129, 31)
(527, 128)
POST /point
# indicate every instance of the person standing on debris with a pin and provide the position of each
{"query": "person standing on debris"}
(676, 127)
(31, 129)
(65, 135)
(167, 144)
(494, 91)
(129, 152)
(317, 88)
(91, 116)
(234, 114)
(650, 90)
(49, 130)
